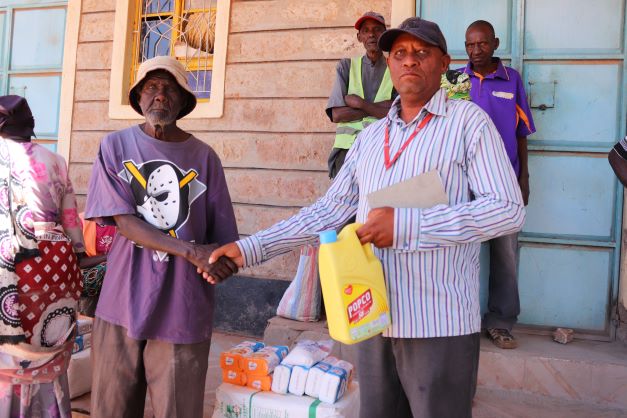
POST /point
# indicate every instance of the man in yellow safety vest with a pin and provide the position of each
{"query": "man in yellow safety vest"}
(362, 92)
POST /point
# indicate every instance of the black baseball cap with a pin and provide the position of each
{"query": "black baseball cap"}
(422, 29)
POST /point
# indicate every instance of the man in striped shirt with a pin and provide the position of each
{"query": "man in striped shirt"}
(425, 364)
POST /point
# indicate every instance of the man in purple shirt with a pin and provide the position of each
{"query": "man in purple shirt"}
(166, 192)
(499, 91)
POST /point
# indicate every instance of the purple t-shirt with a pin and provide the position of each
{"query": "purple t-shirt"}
(180, 189)
(502, 96)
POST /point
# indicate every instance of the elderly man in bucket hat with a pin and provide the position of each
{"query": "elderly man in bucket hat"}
(166, 192)
(424, 365)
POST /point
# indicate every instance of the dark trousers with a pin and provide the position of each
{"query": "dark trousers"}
(336, 161)
(124, 368)
(417, 377)
(503, 301)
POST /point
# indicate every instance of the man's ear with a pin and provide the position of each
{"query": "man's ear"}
(496, 43)
(446, 61)
(359, 37)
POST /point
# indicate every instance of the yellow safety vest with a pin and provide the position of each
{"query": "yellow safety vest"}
(346, 132)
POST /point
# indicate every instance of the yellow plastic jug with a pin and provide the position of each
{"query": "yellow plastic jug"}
(352, 287)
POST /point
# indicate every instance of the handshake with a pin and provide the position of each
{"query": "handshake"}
(215, 263)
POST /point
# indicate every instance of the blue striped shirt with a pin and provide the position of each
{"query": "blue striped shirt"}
(432, 267)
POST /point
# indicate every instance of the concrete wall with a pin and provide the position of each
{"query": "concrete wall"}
(274, 137)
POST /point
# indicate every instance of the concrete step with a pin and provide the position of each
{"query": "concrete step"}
(587, 373)
(581, 371)
(489, 403)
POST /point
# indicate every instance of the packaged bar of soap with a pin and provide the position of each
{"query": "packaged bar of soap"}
(312, 387)
(259, 382)
(264, 361)
(334, 383)
(307, 353)
(84, 325)
(298, 380)
(231, 358)
(281, 378)
(234, 377)
(82, 342)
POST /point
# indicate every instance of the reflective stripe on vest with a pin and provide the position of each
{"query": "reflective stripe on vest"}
(346, 132)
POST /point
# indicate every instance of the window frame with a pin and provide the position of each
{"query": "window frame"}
(122, 63)
(9, 8)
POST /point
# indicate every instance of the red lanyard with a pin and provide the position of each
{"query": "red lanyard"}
(386, 145)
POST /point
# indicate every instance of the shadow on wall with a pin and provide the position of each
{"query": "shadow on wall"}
(244, 304)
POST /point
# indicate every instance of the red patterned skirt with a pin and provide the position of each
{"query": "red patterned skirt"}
(49, 287)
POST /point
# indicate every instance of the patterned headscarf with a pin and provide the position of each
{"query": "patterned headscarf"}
(16, 118)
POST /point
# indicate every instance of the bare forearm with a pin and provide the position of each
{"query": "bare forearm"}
(523, 156)
(148, 236)
(347, 114)
(377, 110)
(87, 262)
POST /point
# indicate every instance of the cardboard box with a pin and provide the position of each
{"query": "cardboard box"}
(243, 402)
(79, 373)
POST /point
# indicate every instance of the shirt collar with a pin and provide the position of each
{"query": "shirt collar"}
(501, 71)
(366, 61)
(436, 105)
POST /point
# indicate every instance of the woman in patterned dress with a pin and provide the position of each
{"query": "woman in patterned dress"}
(40, 282)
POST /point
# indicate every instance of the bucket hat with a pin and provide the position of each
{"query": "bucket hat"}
(172, 66)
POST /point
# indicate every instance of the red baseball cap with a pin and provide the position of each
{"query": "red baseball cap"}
(369, 15)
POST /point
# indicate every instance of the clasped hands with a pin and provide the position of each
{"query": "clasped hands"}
(226, 260)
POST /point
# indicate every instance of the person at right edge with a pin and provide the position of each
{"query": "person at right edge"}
(499, 91)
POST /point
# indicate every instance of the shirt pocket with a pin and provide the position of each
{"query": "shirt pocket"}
(503, 95)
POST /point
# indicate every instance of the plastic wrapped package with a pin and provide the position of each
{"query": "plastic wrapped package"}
(264, 361)
(307, 353)
(235, 377)
(281, 379)
(244, 402)
(335, 382)
(312, 387)
(231, 358)
(79, 373)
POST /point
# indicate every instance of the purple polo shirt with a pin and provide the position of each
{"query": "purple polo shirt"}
(179, 188)
(502, 96)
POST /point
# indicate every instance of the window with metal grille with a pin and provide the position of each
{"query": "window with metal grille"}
(184, 29)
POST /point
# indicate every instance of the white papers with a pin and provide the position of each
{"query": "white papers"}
(423, 191)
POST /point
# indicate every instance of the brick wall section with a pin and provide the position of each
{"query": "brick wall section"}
(274, 137)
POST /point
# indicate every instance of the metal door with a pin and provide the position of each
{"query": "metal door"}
(571, 54)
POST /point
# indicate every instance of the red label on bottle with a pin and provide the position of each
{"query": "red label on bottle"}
(360, 307)
(348, 290)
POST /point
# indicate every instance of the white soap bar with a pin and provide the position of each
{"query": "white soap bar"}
(312, 387)
(298, 380)
(335, 381)
(281, 379)
(307, 353)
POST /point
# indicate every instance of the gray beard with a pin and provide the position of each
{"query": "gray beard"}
(155, 120)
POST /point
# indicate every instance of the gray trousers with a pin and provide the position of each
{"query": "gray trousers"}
(503, 301)
(124, 368)
(417, 377)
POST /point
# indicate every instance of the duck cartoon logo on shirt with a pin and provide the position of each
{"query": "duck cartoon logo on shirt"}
(163, 194)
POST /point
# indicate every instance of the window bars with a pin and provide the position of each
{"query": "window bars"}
(184, 29)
